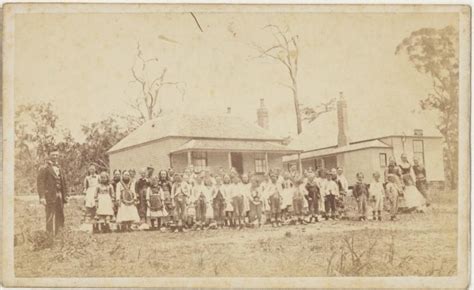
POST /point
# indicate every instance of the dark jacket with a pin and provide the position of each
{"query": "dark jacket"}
(49, 184)
(360, 189)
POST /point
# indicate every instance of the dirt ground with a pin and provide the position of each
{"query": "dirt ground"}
(417, 244)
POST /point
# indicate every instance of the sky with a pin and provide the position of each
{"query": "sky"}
(82, 63)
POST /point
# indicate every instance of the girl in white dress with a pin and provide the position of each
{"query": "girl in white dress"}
(103, 199)
(288, 190)
(90, 187)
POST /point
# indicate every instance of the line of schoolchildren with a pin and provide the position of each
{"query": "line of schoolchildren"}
(199, 199)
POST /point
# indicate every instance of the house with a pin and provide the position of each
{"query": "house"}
(177, 140)
(328, 143)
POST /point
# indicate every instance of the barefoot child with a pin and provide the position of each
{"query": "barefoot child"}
(377, 193)
(104, 204)
(155, 207)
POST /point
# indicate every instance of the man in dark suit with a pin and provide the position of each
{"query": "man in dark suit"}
(52, 192)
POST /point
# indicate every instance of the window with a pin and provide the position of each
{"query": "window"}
(260, 163)
(418, 150)
(199, 160)
(318, 163)
(383, 160)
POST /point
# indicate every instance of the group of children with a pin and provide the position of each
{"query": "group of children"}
(198, 199)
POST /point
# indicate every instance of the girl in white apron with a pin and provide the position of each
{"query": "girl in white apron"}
(127, 199)
(90, 187)
(105, 207)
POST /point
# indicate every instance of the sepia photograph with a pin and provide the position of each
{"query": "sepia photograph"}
(180, 145)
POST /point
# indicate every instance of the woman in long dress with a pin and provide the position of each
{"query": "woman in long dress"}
(414, 201)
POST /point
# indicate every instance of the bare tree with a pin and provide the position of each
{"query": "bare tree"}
(312, 113)
(147, 104)
(285, 52)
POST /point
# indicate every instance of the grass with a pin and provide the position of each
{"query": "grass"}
(417, 245)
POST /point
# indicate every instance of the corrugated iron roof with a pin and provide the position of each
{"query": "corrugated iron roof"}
(223, 126)
(322, 133)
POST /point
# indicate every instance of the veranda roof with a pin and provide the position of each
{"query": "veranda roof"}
(337, 150)
(235, 146)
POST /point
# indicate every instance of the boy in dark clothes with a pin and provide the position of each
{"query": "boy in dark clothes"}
(141, 186)
(361, 193)
(313, 197)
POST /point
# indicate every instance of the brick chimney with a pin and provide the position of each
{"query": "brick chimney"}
(262, 115)
(342, 125)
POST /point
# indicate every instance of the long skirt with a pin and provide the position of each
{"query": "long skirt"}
(127, 213)
(105, 206)
(413, 198)
(90, 196)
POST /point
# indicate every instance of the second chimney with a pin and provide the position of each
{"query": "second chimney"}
(342, 124)
(262, 115)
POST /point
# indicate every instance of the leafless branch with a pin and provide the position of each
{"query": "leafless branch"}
(197, 22)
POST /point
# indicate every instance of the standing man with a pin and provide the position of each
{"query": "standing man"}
(51, 185)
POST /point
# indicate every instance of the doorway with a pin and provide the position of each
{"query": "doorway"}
(236, 161)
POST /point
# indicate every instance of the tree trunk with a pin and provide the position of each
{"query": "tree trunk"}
(296, 102)
(150, 112)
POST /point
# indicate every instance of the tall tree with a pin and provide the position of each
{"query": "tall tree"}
(435, 52)
(285, 52)
(151, 81)
(35, 134)
(100, 137)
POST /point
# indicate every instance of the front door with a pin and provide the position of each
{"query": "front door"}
(237, 162)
